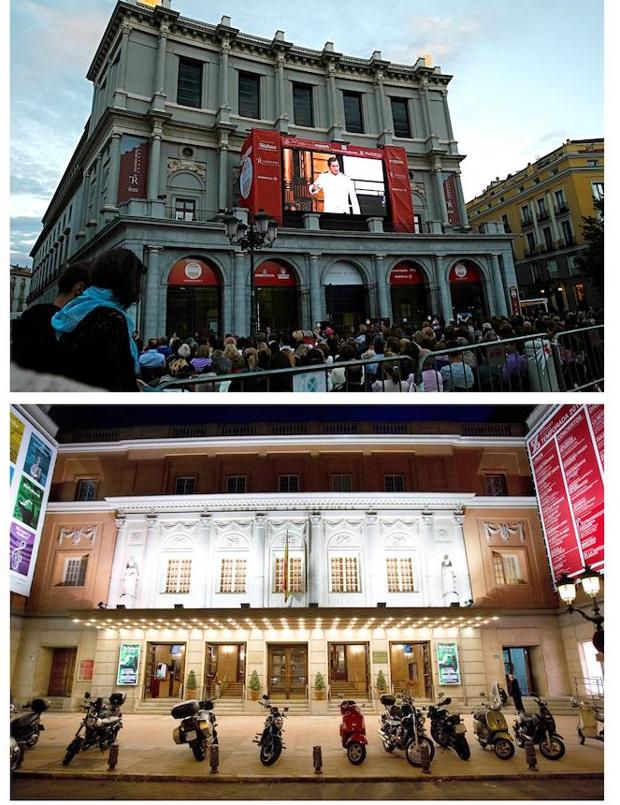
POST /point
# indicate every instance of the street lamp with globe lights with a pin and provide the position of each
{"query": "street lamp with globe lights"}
(591, 582)
(261, 231)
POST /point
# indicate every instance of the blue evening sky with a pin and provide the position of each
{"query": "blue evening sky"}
(527, 75)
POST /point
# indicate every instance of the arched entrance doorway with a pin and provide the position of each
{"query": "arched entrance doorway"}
(409, 293)
(346, 296)
(194, 298)
(466, 289)
(277, 304)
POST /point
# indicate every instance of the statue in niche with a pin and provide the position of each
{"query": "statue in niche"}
(448, 578)
(130, 581)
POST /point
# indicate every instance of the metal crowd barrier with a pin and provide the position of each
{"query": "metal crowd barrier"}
(572, 361)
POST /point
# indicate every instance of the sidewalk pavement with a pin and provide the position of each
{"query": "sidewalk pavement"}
(147, 751)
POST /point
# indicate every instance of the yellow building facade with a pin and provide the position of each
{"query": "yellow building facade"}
(542, 206)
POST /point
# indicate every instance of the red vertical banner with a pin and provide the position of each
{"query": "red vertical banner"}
(260, 180)
(399, 188)
(452, 205)
(597, 422)
(515, 303)
(134, 168)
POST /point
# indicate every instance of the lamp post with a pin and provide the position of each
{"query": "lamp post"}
(591, 582)
(261, 231)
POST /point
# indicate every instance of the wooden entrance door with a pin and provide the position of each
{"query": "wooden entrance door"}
(411, 669)
(61, 673)
(288, 671)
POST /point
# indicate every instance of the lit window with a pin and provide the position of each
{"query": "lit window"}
(507, 568)
(75, 572)
(344, 574)
(399, 574)
(295, 568)
(598, 190)
(289, 483)
(178, 575)
(495, 485)
(185, 485)
(233, 575)
(394, 483)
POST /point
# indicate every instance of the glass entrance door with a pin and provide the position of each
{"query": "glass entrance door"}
(349, 672)
(517, 662)
(411, 669)
(165, 671)
(224, 670)
(288, 671)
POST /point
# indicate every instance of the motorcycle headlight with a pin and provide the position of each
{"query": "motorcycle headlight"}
(278, 722)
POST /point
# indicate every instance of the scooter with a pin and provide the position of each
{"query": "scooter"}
(353, 731)
(447, 729)
(589, 719)
(101, 724)
(270, 740)
(491, 728)
(539, 728)
(197, 727)
(25, 730)
(402, 727)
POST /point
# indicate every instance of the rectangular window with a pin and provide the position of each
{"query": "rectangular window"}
(249, 95)
(567, 233)
(542, 207)
(303, 112)
(289, 483)
(233, 575)
(548, 237)
(178, 575)
(506, 223)
(531, 243)
(593, 163)
(495, 485)
(400, 117)
(75, 572)
(353, 119)
(341, 482)
(189, 88)
(86, 489)
(560, 201)
(400, 574)
(394, 483)
(344, 574)
(235, 484)
(295, 568)
(507, 568)
(417, 224)
(185, 485)
(598, 190)
(185, 209)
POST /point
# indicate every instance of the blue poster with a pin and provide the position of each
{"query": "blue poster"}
(38, 458)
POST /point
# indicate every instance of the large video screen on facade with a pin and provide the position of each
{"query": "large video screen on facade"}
(31, 464)
(567, 456)
(324, 182)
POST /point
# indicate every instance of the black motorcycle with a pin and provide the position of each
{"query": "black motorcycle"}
(402, 727)
(539, 728)
(25, 731)
(100, 724)
(270, 740)
(197, 727)
(447, 729)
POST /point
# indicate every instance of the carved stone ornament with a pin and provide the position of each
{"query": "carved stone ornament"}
(234, 528)
(294, 541)
(175, 542)
(505, 531)
(187, 525)
(443, 535)
(190, 165)
(86, 534)
(419, 188)
(135, 538)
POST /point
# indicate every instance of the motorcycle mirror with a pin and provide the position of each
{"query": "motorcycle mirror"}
(206, 705)
(286, 709)
(265, 697)
(87, 695)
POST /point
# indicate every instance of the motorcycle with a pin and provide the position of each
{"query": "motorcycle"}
(590, 717)
(270, 740)
(101, 724)
(447, 729)
(25, 730)
(197, 727)
(353, 731)
(491, 728)
(402, 727)
(539, 728)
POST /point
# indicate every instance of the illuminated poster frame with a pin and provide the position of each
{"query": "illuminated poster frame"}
(128, 664)
(448, 665)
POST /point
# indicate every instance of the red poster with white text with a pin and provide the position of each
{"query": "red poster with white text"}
(260, 180)
(399, 188)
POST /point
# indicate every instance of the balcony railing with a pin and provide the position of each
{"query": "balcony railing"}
(527, 222)
(194, 216)
(542, 215)
(560, 209)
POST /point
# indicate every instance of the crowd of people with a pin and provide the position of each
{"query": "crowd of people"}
(87, 335)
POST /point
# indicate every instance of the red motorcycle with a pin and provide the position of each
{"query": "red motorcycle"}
(353, 731)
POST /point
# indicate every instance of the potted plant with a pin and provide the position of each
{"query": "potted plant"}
(254, 686)
(319, 686)
(381, 684)
(191, 687)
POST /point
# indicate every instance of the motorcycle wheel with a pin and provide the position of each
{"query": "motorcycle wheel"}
(270, 753)
(435, 736)
(71, 752)
(32, 741)
(356, 753)
(412, 751)
(503, 748)
(388, 747)
(461, 747)
(17, 756)
(552, 749)
(199, 749)
(582, 737)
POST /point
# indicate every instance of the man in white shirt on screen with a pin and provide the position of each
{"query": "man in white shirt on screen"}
(338, 190)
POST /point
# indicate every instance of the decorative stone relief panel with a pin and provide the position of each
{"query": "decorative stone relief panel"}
(296, 529)
(189, 165)
(506, 532)
(344, 532)
(233, 534)
(79, 536)
(399, 533)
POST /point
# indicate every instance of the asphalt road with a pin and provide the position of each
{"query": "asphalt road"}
(528, 788)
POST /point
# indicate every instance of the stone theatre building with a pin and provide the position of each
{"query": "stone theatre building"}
(173, 101)
(414, 550)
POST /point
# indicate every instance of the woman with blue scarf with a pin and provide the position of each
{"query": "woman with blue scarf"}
(95, 331)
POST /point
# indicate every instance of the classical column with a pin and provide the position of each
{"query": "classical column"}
(151, 296)
(498, 286)
(383, 301)
(461, 200)
(241, 325)
(377, 567)
(316, 570)
(223, 114)
(461, 568)
(222, 157)
(440, 205)
(281, 116)
(385, 122)
(259, 592)
(202, 572)
(115, 162)
(316, 306)
(84, 204)
(446, 108)
(426, 106)
(120, 93)
(154, 164)
(118, 566)
(431, 591)
(95, 213)
(159, 94)
(444, 286)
